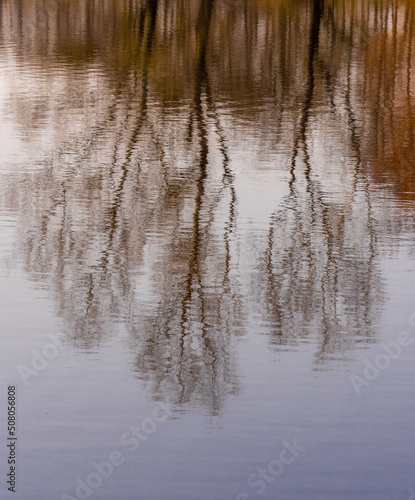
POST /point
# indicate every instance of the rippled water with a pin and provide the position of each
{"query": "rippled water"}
(208, 205)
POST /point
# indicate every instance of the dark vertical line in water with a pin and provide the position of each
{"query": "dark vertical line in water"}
(203, 156)
(152, 11)
(89, 21)
(354, 137)
(312, 189)
(20, 16)
(227, 180)
(301, 138)
(377, 111)
(202, 28)
(312, 52)
(119, 191)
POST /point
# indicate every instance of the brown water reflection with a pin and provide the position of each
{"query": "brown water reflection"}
(135, 115)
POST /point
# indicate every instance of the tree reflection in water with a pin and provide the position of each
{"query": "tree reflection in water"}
(133, 112)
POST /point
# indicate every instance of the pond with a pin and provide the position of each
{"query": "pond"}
(207, 249)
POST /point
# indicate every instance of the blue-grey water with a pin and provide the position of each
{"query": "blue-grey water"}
(207, 249)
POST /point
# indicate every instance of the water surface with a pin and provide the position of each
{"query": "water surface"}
(209, 205)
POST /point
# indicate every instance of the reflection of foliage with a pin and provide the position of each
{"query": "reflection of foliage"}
(132, 216)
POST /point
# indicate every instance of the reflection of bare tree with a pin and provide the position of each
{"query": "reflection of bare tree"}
(98, 211)
(191, 353)
(321, 274)
(130, 216)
